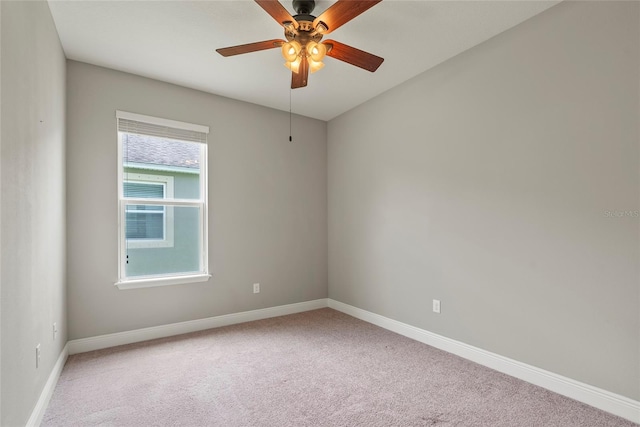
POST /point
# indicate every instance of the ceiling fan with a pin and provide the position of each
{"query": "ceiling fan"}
(303, 50)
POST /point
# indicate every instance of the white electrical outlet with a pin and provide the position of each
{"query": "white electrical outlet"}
(256, 288)
(436, 306)
(55, 330)
(37, 356)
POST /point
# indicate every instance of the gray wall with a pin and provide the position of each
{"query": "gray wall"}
(267, 200)
(33, 204)
(499, 182)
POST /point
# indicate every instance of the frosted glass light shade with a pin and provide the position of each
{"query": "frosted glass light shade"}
(316, 51)
(291, 50)
(315, 65)
(294, 65)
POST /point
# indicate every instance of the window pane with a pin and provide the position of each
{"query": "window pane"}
(143, 154)
(182, 257)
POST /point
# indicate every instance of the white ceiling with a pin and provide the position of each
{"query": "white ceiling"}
(175, 41)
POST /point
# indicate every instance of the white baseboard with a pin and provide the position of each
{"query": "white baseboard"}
(47, 392)
(111, 340)
(599, 398)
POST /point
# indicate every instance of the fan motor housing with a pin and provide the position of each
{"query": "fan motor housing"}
(306, 31)
(303, 36)
(304, 7)
(305, 22)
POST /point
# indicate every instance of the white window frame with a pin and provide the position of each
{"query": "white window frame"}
(167, 182)
(165, 279)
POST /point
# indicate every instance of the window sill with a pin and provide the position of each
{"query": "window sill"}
(150, 282)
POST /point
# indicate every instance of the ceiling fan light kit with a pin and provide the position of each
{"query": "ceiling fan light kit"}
(303, 49)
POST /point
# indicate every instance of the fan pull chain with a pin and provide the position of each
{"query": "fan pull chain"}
(290, 136)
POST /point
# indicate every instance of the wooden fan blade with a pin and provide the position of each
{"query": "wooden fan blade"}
(250, 47)
(353, 56)
(300, 78)
(342, 12)
(277, 11)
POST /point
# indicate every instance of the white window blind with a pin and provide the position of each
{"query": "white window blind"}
(161, 128)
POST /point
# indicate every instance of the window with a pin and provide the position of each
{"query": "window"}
(148, 226)
(162, 182)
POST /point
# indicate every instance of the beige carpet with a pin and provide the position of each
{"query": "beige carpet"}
(319, 368)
